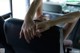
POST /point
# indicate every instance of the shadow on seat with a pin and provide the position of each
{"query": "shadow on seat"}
(2, 38)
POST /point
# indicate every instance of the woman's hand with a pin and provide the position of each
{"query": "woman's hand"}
(42, 26)
(28, 30)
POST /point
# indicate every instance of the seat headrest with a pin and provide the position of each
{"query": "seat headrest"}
(12, 29)
(52, 8)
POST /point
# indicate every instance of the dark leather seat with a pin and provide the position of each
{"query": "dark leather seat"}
(54, 8)
(3, 43)
(1, 30)
(45, 44)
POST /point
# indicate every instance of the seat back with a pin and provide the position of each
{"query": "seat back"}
(12, 29)
(55, 8)
(53, 11)
(49, 42)
(2, 36)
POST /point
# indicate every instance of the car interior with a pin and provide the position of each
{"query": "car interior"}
(11, 20)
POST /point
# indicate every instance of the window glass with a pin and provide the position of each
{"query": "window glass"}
(4, 7)
(31, 1)
(73, 1)
(43, 1)
(19, 8)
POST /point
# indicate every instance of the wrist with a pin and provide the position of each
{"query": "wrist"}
(28, 21)
(50, 23)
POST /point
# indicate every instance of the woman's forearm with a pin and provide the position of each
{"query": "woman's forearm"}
(68, 28)
(68, 18)
(39, 10)
(64, 19)
(33, 8)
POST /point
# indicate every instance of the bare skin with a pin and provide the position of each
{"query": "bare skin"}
(29, 29)
(70, 19)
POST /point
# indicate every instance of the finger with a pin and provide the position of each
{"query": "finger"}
(32, 35)
(29, 33)
(34, 30)
(40, 30)
(21, 33)
(37, 26)
(38, 33)
(26, 36)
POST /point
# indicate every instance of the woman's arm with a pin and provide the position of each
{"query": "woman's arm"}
(68, 28)
(70, 22)
(39, 13)
(33, 8)
(28, 28)
(68, 18)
